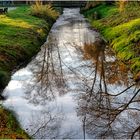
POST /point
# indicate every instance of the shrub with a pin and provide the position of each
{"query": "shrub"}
(44, 11)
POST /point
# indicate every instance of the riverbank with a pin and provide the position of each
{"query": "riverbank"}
(21, 36)
(9, 126)
(121, 29)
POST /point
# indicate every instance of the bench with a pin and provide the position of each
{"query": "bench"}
(3, 10)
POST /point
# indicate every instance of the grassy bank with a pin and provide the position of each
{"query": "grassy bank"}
(121, 30)
(9, 128)
(21, 35)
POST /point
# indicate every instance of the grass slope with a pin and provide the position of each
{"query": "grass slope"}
(121, 30)
(21, 35)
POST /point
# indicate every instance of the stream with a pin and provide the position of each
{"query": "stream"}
(73, 88)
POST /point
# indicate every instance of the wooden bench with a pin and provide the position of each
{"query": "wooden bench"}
(3, 10)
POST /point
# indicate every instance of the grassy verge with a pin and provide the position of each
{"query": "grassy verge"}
(121, 30)
(21, 36)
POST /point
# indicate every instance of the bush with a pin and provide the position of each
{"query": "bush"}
(44, 11)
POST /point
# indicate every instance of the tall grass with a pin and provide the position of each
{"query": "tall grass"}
(44, 11)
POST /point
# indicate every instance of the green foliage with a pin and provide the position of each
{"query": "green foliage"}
(127, 28)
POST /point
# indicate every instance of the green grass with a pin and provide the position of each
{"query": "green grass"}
(21, 36)
(121, 30)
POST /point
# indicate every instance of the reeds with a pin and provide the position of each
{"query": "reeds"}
(44, 11)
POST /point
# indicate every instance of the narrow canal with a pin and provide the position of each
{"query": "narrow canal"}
(75, 87)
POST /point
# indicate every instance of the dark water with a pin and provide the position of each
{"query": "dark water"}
(74, 88)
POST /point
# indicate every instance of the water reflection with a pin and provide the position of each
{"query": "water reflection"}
(48, 74)
(108, 112)
(107, 108)
(46, 125)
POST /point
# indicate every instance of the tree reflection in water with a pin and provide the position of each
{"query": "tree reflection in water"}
(106, 110)
(53, 77)
(109, 101)
(46, 125)
(48, 72)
